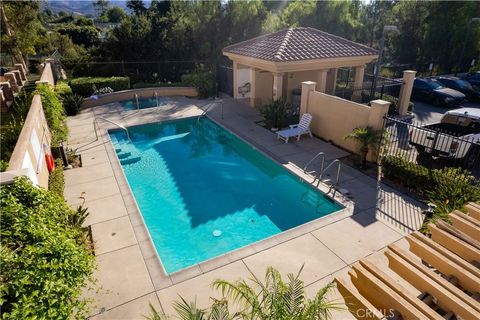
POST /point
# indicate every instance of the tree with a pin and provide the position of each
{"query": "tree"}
(81, 35)
(115, 14)
(271, 299)
(137, 7)
(27, 31)
(100, 7)
(160, 7)
(367, 138)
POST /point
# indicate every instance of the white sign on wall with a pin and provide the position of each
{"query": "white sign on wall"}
(27, 164)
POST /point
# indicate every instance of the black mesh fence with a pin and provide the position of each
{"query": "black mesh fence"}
(225, 79)
(137, 71)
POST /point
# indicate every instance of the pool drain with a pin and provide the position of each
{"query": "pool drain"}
(217, 233)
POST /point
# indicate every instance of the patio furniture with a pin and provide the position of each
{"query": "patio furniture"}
(297, 130)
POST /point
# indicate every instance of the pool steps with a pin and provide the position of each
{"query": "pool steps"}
(126, 157)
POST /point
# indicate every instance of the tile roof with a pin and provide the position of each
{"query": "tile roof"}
(296, 44)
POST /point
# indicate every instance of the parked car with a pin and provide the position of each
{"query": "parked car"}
(474, 79)
(432, 91)
(460, 85)
(462, 142)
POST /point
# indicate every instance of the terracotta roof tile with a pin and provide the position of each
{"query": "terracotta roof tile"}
(296, 44)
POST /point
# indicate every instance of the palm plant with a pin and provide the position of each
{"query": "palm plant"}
(368, 138)
(271, 299)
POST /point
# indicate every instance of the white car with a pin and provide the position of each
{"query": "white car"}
(456, 136)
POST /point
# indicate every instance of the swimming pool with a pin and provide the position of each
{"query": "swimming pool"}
(143, 103)
(203, 192)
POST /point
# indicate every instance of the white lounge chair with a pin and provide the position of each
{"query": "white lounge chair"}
(297, 130)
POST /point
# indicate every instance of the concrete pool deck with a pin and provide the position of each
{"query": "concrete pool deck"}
(129, 274)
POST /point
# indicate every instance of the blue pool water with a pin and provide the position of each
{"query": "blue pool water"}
(203, 192)
(143, 103)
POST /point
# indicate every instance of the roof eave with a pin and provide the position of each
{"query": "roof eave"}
(301, 65)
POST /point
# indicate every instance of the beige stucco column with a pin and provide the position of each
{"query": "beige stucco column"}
(331, 81)
(406, 91)
(235, 85)
(378, 111)
(358, 84)
(252, 87)
(322, 80)
(307, 87)
(277, 86)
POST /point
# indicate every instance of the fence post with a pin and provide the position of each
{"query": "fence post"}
(405, 91)
(307, 87)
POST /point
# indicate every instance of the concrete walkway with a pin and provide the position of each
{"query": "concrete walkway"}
(129, 274)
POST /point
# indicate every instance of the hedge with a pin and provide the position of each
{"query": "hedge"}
(56, 182)
(63, 89)
(86, 86)
(54, 113)
(158, 84)
(44, 256)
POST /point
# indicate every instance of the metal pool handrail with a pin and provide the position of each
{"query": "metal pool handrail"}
(337, 178)
(95, 126)
(156, 98)
(136, 99)
(320, 154)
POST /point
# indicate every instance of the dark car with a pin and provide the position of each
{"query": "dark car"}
(460, 85)
(432, 91)
(474, 79)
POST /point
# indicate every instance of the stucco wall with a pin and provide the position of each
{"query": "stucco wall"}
(295, 80)
(142, 93)
(32, 144)
(334, 117)
(47, 74)
(28, 156)
(263, 87)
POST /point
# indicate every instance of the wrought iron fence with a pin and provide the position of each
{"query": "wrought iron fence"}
(385, 88)
(432, 146)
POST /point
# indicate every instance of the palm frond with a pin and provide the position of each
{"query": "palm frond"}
(219, 310)
(294, 297)
(154, 314)
(188, 311)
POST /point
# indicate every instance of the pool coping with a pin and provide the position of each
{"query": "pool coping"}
(162, 279)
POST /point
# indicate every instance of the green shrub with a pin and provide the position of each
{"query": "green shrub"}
(275, 113)
(45, 260)
(410, 175)
(158, 84)
(86, 86)
(72, 103)
(3, 165)
(56, 182)
(54, 113)
(63, 89)
(9, 136)
(203, 81)
(448, 188)
(12, 123)
(451, 189)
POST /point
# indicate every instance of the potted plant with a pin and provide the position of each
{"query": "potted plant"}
(368, 138)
